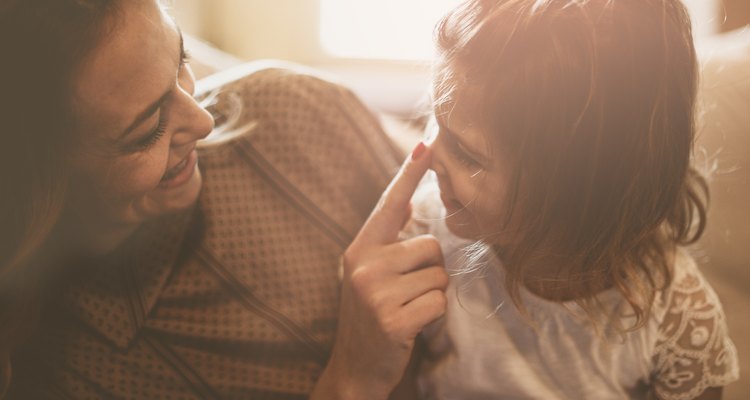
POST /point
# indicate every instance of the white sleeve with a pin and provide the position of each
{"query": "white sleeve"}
(693, 350)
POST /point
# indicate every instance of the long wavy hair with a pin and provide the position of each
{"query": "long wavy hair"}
(594, 102)
(42, 43)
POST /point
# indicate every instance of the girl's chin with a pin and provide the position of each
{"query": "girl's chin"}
(461, 227)
(466, 227)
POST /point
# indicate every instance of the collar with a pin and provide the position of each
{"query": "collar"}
(117, 293)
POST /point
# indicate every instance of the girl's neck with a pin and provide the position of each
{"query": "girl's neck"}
(561, 289)
(556, 278)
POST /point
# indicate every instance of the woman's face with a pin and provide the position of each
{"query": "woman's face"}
(473, 180)
(137, 124)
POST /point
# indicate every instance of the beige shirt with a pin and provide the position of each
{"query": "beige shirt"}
(237, 299)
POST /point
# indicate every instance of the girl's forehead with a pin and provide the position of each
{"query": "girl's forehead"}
(462, 106)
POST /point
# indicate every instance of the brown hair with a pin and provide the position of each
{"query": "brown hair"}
(42, 42)
(594, 101)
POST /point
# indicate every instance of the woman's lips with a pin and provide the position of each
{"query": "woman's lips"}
(180, 173)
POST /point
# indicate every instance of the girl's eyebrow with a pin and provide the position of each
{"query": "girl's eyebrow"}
(153, 108)
(462, 144)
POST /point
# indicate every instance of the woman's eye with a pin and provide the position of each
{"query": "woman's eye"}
(153, 137)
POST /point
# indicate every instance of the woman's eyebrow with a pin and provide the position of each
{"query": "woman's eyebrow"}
(150, 110)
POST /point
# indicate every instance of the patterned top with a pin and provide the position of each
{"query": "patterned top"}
(484, 348)
(238, 298)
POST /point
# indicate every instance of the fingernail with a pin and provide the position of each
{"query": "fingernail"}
(418, 151)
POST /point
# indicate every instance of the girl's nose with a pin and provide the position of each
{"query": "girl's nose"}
(438, 155)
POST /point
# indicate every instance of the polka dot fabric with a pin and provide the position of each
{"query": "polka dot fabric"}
(238, 298)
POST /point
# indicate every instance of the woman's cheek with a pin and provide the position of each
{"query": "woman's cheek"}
(137, 177)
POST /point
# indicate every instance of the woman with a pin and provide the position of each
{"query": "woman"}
(126, 271)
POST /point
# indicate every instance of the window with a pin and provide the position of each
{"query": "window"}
(381, 29)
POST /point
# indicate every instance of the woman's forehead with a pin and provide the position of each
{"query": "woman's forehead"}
(128, 70)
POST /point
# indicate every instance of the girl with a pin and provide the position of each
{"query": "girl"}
(564, 134)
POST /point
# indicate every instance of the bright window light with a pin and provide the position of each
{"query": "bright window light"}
(381, 29)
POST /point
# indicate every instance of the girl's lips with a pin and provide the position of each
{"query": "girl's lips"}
(180, 173)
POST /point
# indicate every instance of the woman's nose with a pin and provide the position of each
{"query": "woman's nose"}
(194, 121)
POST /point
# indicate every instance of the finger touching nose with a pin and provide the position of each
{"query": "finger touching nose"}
(394, 207)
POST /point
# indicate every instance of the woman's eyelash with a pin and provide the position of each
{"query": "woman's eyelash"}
(153, 137)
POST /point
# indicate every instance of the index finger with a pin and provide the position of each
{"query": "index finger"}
(389, 215)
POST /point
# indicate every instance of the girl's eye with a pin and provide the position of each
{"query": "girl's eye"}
(152, 138)
(463, 158)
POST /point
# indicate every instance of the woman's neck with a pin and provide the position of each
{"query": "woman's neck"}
(87, 237)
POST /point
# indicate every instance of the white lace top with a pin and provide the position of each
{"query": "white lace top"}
(483, 348)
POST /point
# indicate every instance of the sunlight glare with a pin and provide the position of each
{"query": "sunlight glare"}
(382, 29)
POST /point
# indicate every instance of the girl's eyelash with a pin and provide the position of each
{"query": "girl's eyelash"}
(153, 137)
(462, 157)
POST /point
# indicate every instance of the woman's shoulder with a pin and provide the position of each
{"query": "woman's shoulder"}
(288, 101)
(304, 140)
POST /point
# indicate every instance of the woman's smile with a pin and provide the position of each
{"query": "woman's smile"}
(180, 173)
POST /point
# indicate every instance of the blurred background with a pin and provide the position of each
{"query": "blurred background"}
(378, 48)
(381, 49)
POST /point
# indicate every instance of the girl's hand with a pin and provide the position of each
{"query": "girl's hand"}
(391, 290)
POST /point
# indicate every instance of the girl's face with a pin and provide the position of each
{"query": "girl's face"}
(137, 125)
(473, 180)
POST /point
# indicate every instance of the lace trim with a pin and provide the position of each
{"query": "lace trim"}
(693, 350)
